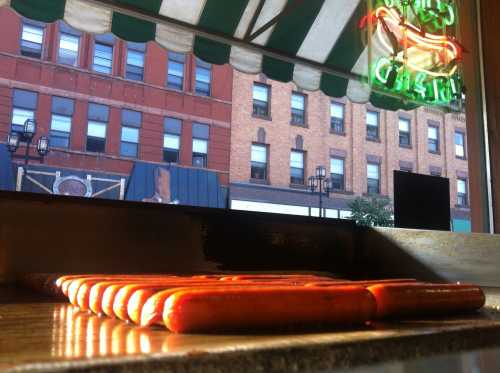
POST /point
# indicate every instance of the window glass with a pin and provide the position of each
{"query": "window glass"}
(462, 192)
(200, 146)
(96, 129)
(172, 125)
(337, 173)
(203, 77)
(372, 125)
(98, 116)
(31, 40)
(19, 117)
(373, 175)
(200, 130)
(171, 141)
(129, 142)
(68, 49)
(175, 77)
(260, 100)
(103, 58)
(336, 117)
(297, 167)
(24, 105)
(135, 61)
(433, 139)
(459, 145)
(298, 108)
(258, 167)
(60, 128)
(404, 132)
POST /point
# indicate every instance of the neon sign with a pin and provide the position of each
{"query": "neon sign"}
(422, 56)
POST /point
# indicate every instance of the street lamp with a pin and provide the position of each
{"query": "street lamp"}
(15, 138)
(321, 183)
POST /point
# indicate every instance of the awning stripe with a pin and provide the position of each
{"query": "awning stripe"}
(45, 11)
(344, 54)
(82, 16)
(288, 36)
(218, 16)
(133, 29)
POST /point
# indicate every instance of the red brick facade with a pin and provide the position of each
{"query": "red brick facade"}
(150, 97)
(320, 143)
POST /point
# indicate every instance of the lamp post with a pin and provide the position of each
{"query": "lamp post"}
(321, 183)
(16, 138)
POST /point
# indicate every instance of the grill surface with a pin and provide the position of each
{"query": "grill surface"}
(42, 336)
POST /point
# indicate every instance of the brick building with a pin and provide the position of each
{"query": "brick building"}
(279, 135)
(106, 104)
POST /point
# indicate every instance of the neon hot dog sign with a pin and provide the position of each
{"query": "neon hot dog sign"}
(422, 55)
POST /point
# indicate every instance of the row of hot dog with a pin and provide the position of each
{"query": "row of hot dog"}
(210, 303)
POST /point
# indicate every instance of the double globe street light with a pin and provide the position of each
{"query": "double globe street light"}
(320, 184)
(16, 138)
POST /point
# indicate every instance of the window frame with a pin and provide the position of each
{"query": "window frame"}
(133, 125)
(369, 137)
(368, 179)
(265, 179)
(342, 188)
(303, 153)
(463, 135)
(65, 113)
(140, 48)
(66, 30)
(25, 104)
(464, 196)
(333, 126)
(202, 65)
(98, 121)
(170, 132)
(255, 113)
(303, 115)
(200, 127)
(32, 24)
(405, 133)
(437, 140)
(170, 59)
(100, 40)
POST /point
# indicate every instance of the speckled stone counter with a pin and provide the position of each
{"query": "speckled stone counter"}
(38, 336)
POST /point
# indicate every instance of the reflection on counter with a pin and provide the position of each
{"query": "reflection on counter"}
(78, 334)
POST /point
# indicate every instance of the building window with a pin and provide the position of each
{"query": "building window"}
(373, 178)
(336, 118)
(404, 133)
(135, 61)
(337, 173)
(433, 139)
(298, 108)
(200, 145)
(24, 105)
(460, 145)
(372, 125)
(32, 39)
(131, 123)
(260, 100)
(60, 124)
(175, 77)
(98, 117)
(258, 170)
(462, 199)
(103, 54)
(171, 139)
(69, 45)
(297, 167)
(203, 77)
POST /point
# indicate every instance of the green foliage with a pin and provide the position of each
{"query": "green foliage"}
(372, 211)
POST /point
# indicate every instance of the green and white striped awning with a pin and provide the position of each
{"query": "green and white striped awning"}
(317, 44)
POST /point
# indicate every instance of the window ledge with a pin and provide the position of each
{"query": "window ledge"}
(461, 158)
(435, 153)
(377, 195)
(344, 192)
(337, 133)
(263, 117)
(373, 139)
(405, 146)
(298, 186)
(303, 125)
(259, 181)
(464, 207)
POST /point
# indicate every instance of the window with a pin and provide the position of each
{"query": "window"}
(103, 54)
(203, 77)
(135, 61)
(462, 199)
(404, 133)
(24, 105)
(200, 145)
(171, 139)
(98, 117)
(372, 125)
(373, 178)
(460, 145)
(337, 173)
(336, 118)
(131, 122)
(260, 100)
(175, 77)
(433, 138)
(60, 125)
(297, 167)
(258, 168)
(69, 44)
(32, 39)
(298, 108)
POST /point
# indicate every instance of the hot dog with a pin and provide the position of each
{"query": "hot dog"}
(412, 300)
(228, 309)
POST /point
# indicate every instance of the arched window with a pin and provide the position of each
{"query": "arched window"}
(261, 135)
(299, 143)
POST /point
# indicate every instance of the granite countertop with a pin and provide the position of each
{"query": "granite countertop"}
(38, 336)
